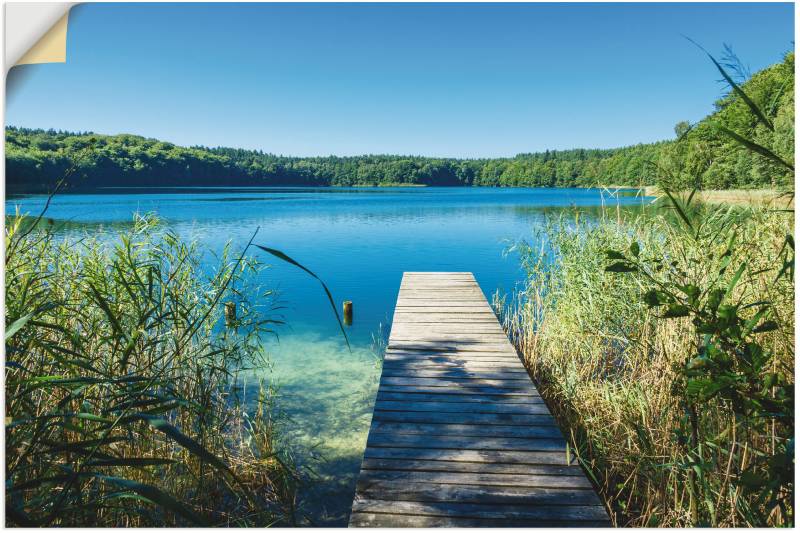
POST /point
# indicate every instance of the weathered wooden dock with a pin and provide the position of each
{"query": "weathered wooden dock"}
(459, 434)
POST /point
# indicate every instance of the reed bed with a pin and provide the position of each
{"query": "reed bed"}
(124, 397)
(670, 435)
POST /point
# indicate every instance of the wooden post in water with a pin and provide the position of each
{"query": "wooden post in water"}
(347, 310)
(230, 313)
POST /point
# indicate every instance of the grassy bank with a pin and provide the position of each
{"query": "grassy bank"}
(123, 398)
(773, 198)
(666, 349)
(758, 197)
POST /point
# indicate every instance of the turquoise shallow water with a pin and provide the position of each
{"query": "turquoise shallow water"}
(360, 241)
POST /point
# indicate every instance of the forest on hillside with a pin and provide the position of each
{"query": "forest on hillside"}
(701, 155)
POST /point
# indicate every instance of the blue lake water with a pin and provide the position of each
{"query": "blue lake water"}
(360, 241)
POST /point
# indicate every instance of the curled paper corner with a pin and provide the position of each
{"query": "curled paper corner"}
(36, 33)
(51, 48)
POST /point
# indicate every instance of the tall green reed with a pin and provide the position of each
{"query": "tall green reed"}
(122, 405)
(610, 365)
(733, 372)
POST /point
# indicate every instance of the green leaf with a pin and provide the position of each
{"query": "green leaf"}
(612, 254)
(158, 496)
(186, 442)
(767, 325)
(161, 409)
(770, 380)
(621, 267)
(735, 280)
(675, 311)
(750, 324)
(18, 324)
(715, 299)
(282, 256)
(651, 298)
(94, 418)
(634, 248)
(697, 363)
(654, 298)
(690, 290)
(107, 310)
(754, 147)
(681, 212)
(702, 387)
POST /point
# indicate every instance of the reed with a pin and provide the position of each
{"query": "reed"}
(665, 438)
(124, 397)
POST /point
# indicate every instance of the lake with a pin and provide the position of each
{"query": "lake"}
(359, 241)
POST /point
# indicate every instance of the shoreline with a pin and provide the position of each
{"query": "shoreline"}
(753, 197)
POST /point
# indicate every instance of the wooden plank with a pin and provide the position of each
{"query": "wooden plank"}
(444, 352)
(496, 362)
(415, 300)
(460, 442)
(449, 365)
(457, 312)
(451, 347)
(434, 326)
(434, 290)
(470, 430)
(447, 397)
(471, 456)
(485, 495)
(453, 371)
(467, 467)
(408, 371)
(463, 418)
(446, 369)
(470, 510)
(459, 435)
(428, 327)
(463, 356)
(444, 318)
(494, 391)
(453, 382)
(463, 348)
(362, 519)
(469, 407)
(490, 341)
(413, 304)
(445, 363)
(472, 478)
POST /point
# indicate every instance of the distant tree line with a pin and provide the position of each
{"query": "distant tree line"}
(699, 156)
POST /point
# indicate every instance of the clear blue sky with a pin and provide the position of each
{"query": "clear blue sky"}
(465, 80)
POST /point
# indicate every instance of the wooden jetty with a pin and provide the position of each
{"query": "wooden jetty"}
(460, 436)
